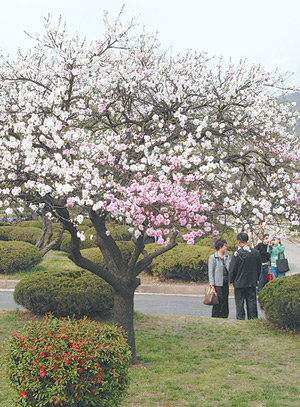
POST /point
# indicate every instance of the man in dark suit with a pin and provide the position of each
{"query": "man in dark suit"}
(244, 272)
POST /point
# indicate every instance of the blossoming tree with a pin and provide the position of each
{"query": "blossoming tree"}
(118, 129)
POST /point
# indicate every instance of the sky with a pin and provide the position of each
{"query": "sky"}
(263, 31)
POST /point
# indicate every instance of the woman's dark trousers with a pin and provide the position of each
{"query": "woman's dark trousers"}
(221, 310)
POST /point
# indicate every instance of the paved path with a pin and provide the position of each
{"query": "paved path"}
(163, 304)
(188, 305)
(292, 253)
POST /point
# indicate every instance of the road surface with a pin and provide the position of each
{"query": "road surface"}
(163, 304)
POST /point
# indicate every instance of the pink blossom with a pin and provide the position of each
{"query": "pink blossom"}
(101, 108)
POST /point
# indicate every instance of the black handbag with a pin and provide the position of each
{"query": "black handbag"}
(211, 297)
(282, 265)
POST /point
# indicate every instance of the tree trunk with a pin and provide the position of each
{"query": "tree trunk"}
(123, 315)
(50, 245)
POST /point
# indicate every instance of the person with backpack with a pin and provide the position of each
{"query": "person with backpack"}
(276, 251)
(244, 272)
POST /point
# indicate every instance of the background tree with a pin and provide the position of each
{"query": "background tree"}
(119, 129)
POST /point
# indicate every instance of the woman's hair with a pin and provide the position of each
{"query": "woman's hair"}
(243, 237)
(277, 238)
(220, 243)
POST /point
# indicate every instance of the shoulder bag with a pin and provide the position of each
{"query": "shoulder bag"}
(211, 297)
(282, 265)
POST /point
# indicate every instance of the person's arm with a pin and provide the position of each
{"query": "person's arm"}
(233, 268)
(259, 262)
(211, 271)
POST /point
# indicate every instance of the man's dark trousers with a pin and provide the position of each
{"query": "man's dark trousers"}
(264, 277)
(248, 294)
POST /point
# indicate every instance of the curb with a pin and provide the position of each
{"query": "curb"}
(8, 284)
(179, 289)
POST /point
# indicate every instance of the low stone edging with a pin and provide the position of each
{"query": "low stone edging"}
(195, 289)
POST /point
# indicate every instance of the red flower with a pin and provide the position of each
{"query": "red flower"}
(93, 390)
(42, 374)
(21, 393)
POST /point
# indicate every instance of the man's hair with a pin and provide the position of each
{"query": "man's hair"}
(220, 243)
(266, 235)
(243, 237)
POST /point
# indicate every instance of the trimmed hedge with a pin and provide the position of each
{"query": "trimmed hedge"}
(280, 299)
(21, 234)
(69, 363)
(17, 256)
(31, 223)
(5, 231)
(119, 233)
(229, 236)
(64, 293)
(183, 262)
(90, 240)
(94, 254)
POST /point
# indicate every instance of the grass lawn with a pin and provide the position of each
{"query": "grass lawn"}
(193, 361)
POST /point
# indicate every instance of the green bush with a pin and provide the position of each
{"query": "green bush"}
(119, 233)
(280, 299)
(39, 224)
(184, 262)
(87, 222)
(31, 223)
(21, 234)
(69, 363)
(4, 232)
(94, 254)
(228, 235)
(17, 256)
(90, 240)
(64, 293)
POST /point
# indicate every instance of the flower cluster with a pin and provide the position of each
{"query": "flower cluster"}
(156, 142)
(56, 361)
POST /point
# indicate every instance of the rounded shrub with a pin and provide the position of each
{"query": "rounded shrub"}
(183, 262)
(4, 232)
(22, 234)
(280, 299)
(31, 223)
(69, 362)
(117, 232)
(229, 235)
(64, 293)
(17, 256)
(87, 222)
(90, 240)
(94, 254)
